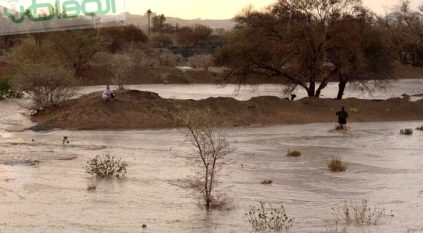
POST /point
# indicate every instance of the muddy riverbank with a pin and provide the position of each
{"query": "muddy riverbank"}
(147, 110)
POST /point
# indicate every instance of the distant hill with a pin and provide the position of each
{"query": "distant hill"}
(142, 21)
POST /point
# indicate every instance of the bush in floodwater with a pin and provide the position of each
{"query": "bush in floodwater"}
(420, 128)
(337, 165)
(106, 166)
(354, 110)
(359, 213)
(293, 153)
(266, 182)
(7, 91)
(406, 131)
(210, 149)
(269, 219)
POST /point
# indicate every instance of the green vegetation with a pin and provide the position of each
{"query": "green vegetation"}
(264, 219)
(50, 86)
(7, 91)
(354, 110)
(293, 153)
(407, 132)
(162, 41)
(420, 128)
(337, 165)
(106, 166)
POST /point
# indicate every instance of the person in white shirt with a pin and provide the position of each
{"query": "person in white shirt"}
(108, 95)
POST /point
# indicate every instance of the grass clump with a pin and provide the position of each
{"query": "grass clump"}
(420, 128)
(354, 110)
(267, 182)
(264, 219)
(106, 166)
(294, 154)
(406, 131)
(91, 187)
(359, 213)
(337, 165)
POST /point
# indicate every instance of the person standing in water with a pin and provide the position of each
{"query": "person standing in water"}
(342, 119)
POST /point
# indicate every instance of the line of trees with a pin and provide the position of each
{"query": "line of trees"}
(406, 27)
(50, 65)
(308, 43)
(166, 34)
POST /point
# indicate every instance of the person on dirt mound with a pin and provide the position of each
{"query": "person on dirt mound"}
(108, 95)
(342, 119)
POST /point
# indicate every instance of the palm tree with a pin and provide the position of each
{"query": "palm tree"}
(149, 12)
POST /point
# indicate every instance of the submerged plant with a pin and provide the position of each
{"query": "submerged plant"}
(106, 166)
(337, 165)
(91, 187)
(420, 128)
(358, 213)
(406, 131)
(265, 182)
(269, 219)
(354, 110)
(207, 159)
(293, 153)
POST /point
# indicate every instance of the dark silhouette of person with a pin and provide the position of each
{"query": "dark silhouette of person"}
(342, 118)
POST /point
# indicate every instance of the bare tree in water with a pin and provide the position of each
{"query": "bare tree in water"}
(210, 148)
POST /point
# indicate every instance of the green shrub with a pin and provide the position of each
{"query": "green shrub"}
(406, 131)
(7, 91)
(162, 41)
(293, 153)
(336, 165)
(266, 182)
(106, 166)
(354, 110)
(269, 219)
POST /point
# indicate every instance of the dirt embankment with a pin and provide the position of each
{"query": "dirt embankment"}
(146, 110)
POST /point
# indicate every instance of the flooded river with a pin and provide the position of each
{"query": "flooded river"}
(246, 92)
(384, 167)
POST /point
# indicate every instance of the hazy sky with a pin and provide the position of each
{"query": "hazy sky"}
(221, 9)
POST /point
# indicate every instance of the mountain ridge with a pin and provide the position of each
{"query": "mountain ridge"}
(142, 21)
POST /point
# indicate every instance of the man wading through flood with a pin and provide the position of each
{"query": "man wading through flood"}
(342, 119)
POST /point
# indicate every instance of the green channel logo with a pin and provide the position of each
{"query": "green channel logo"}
(60, 9)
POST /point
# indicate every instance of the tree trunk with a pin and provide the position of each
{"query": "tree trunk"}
(149, 25)
(341, 90)
(322, 86)
(311, 91)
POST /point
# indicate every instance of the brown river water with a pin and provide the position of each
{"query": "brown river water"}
(384, 167)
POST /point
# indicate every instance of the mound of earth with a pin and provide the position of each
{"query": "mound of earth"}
(147, 110)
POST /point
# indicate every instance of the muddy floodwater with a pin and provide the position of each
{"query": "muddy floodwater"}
(384, 167)
(246, 92)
